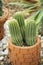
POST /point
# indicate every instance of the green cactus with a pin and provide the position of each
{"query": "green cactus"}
(15, 32)
(30, 32)
(1, 11)
(21, 30)
(19, 17)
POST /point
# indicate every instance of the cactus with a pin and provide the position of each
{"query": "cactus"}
(23, 32)
(15, 33)
(19, 17)
(1, 11)
(30, 32)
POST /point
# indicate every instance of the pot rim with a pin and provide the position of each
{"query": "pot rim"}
(24, 47)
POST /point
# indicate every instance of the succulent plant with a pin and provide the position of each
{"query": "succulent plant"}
(23, 32)
(15, 32)
(19, 17)
(30, 32)
(1, 11)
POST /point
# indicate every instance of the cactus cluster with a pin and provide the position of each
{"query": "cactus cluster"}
(1, 11)
(22, 30)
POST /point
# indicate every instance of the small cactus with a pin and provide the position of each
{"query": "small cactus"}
(19, 17)
(30, 32)
(15, 33)
(1, 11)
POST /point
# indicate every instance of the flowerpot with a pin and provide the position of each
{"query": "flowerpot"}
(24, 55)
(3, 19)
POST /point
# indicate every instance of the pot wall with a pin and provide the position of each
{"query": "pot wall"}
(24, 55)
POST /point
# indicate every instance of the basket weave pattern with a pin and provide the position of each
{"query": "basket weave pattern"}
(24, 56)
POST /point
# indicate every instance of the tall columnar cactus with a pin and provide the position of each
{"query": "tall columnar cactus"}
(30, 32)
(15, 32)
(19, 17)
(1, 12)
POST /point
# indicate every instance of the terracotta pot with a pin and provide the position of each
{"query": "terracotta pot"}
(3, 19)
(24, 55)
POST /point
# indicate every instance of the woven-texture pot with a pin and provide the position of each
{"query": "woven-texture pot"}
(24, 55)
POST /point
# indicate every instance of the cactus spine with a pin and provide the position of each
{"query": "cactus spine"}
(30, 32)
(1, 8)
(15, 33)
(19, 17)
